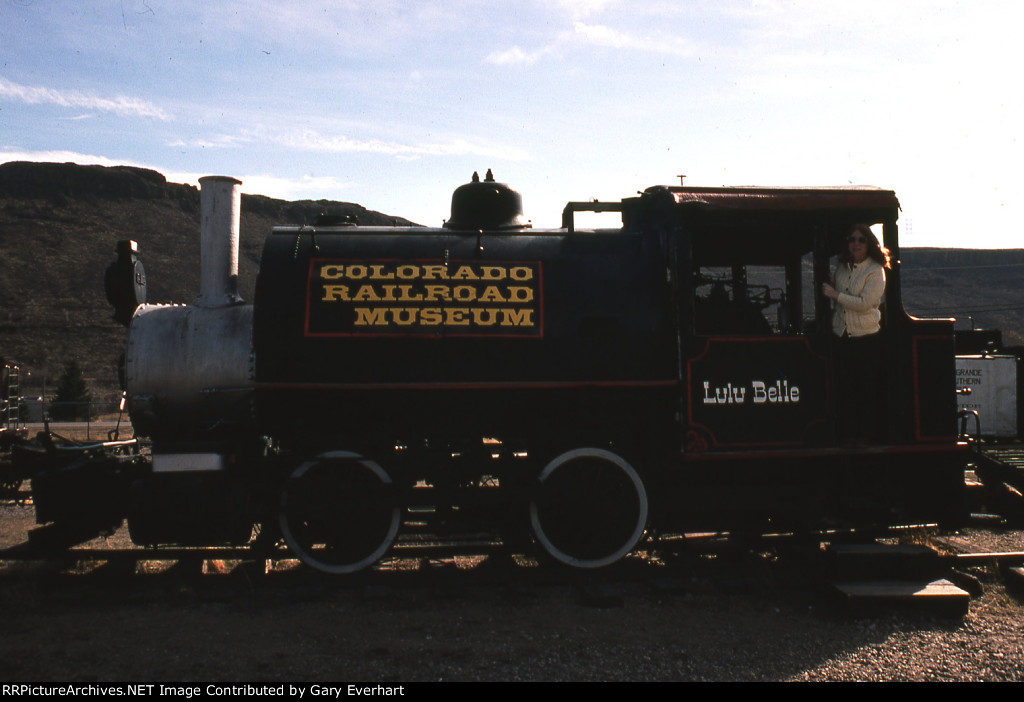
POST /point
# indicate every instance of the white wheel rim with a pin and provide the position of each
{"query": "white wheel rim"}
(309, 558)
(638, 529)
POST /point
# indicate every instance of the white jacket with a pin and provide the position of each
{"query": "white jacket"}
(860, 287)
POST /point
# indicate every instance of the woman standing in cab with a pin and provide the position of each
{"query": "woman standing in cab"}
(856, 291)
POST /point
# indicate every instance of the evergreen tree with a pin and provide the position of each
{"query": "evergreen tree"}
(71, 403)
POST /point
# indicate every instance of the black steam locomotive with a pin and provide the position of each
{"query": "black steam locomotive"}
(573, 388)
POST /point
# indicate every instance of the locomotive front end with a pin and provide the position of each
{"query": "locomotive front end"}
(188, 384)
(188, 367)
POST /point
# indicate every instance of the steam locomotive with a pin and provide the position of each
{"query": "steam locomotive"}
(572, 388)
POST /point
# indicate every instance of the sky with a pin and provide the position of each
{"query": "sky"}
(394, 104)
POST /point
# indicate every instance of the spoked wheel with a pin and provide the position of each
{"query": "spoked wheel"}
(590, 509)
(338, 514)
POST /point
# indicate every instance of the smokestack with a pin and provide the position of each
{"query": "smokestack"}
(220, 208)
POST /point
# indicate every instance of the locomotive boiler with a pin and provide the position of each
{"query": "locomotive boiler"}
(573, 389)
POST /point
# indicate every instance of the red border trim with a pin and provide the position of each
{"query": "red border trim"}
(951, 447)
(482, 385)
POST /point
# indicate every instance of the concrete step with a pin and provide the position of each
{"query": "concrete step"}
(940, 597)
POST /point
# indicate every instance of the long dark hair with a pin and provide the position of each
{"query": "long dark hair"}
(876, 252)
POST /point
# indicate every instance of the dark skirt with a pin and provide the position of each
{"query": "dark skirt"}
(861, 412)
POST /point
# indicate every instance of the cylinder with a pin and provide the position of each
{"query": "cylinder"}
(220, 206)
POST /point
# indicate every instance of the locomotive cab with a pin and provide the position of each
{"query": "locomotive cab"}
(758, 364)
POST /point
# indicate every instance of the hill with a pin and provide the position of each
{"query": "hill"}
(59, 224)
(983, 286)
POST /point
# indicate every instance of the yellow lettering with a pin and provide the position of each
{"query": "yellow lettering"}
(430, 316)
(464, 293)
(456, 316)
(365, 293)
(406, 296)
(517, 318)
(492, 294)
(465, 273)
(335, 292)
(492, 273)
(434, 271)
(487, 296)
(518, 293)
(437, 292)
(490, 320)
(403, 316)
(370, 317)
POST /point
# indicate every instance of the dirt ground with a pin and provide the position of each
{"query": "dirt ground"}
(497, 618)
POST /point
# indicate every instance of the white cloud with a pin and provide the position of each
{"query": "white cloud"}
(578, 9)
(583, 8)
(57, 156)
(595, 35)
(606, 36)
(219, 141)
(350, 27)
(516, 55)
(310, 140)
(305, 187)
(122, 105)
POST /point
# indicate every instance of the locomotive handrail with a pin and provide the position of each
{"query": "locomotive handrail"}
(964, 416)
(568, 220)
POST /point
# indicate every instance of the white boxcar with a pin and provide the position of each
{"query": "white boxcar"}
(992, 381)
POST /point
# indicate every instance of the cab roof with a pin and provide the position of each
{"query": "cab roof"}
(854, 197)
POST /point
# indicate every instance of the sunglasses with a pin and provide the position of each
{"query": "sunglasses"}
(856, 240)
